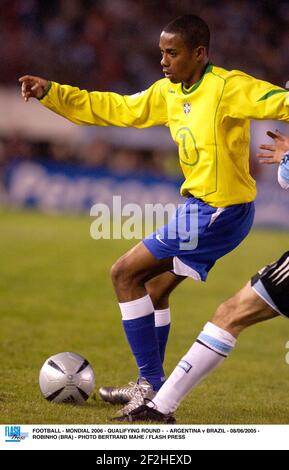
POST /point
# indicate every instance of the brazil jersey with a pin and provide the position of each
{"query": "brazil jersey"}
(209, 122)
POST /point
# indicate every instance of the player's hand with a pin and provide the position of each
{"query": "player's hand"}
(33, 87)
(276, 150)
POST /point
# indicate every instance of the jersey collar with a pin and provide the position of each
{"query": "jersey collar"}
(196, 85)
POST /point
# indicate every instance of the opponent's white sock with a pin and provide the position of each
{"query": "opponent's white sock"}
(210, 349)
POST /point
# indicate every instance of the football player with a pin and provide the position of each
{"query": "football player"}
(208, 110)
(264, 297)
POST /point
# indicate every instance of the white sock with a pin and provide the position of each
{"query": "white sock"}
(136, 308)
(162, 317)
(211, 347)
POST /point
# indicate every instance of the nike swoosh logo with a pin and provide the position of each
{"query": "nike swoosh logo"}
(158, 237)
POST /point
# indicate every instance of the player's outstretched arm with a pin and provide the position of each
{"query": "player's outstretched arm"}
(277, 150)
(145, 109)
(33, 87)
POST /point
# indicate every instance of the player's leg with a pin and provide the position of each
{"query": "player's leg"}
(242, 310)
(213, 345)
(130, 275)
(264, 298)
(210, 349)
(159, 289)
(134, 269)
(218, 232)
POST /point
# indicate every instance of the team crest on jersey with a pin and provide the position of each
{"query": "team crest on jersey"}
(187, 108)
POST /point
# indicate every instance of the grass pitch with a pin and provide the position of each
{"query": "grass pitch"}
(56, 295)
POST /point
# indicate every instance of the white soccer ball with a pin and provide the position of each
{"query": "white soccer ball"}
(66, 378)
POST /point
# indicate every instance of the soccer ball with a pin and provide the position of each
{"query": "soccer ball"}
(66, 378)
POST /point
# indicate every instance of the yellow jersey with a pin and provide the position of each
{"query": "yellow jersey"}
(209, 122)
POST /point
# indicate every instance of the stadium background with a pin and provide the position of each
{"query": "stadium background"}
(55, 289)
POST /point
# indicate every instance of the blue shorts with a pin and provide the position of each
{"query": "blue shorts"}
(199, 234)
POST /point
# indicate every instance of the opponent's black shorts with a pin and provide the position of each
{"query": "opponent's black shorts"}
(272, 284)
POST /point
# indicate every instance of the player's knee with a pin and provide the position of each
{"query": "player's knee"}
(121, 274)
(117, 272)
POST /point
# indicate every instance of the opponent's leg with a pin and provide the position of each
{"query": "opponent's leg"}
(210, 349)
(213, 345)
(242, 310)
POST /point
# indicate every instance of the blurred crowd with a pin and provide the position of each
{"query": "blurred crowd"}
(96, 154)
(113, 45)
(99, 154)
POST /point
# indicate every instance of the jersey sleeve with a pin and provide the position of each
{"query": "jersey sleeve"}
(283, 172)
(144, 109)
(249, 98)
